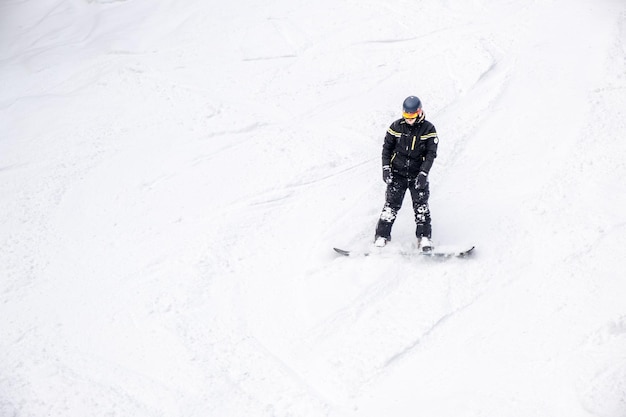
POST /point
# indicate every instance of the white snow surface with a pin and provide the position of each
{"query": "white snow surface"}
(174, 175)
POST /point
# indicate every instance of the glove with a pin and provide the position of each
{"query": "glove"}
(387, 175)
(421, 181)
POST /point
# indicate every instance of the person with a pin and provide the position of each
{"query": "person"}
(409, 150)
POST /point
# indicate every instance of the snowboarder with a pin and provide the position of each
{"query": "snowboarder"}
(409, 150)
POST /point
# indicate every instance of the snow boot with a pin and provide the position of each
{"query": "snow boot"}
(380, 241)
(424, 244)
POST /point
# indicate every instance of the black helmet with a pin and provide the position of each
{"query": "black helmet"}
(412, 107)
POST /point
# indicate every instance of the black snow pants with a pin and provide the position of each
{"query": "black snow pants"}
(393, 201)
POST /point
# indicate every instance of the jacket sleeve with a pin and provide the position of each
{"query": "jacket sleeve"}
(432, 142)
(389, 145)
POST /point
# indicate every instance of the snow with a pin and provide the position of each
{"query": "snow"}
(174, 175)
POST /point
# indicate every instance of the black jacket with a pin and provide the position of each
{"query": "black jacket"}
(410, 149)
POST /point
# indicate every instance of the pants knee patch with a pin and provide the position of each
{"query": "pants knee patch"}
(388, 214)
(422, 213)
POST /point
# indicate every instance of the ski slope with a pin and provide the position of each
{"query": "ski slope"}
(174, 175)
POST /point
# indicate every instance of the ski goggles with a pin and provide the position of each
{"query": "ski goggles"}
(415, 115)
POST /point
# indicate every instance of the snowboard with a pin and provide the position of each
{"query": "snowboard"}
(462, 253)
